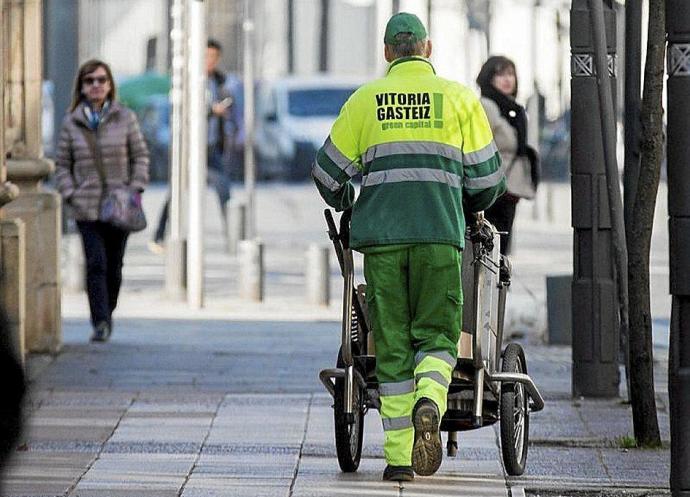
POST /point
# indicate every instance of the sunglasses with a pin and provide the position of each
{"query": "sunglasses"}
(101, 80)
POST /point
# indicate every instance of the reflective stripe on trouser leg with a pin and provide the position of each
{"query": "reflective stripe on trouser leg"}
(386, 275)
(433, 374)
(397, 401)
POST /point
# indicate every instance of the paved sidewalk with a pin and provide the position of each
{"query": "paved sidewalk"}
(231, 408)
(226, 402)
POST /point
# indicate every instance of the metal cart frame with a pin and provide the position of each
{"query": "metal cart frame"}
(489, 384)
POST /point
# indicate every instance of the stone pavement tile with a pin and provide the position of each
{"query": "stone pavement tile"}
(606, 419)
(322, 476)
(456, 486)
(163, 473)
(190, 400)
(482, 438)
(319, 477)
(639, 467)
(172, 406)
(133, 466)
(67, 433)
(560, 419)
(85, 398)
(217, 486)
(258, 420)
(248, 466)
(139, 491)
(152, 447)
(39, 473)
(562, 465)
(320, 439)
(178, 428)
(70, 423)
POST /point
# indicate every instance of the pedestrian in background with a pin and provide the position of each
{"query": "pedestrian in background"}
(222, 130)
(420, 175)
(99, 137)
(498, 83)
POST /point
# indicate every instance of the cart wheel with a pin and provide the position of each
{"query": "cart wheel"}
(348, 432)
(514, 413)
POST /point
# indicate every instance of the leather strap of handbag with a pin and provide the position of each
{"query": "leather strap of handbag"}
(90, 137)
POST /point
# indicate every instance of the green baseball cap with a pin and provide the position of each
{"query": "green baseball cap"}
(404, 22)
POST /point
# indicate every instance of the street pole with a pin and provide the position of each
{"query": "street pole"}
(607, 116)
(678, 154)
(249, 165)
(594, 312)
(633, 68)
(175, 245)
(197, 152)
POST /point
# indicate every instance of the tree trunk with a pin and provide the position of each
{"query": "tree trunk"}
(642, 394)
(323, 38)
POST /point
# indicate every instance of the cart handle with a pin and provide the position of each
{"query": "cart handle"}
(327, 377)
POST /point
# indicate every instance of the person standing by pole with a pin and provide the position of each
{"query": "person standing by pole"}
(222, 132)
(425, 149)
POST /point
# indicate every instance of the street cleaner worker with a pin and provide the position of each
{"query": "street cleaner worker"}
(425, 150)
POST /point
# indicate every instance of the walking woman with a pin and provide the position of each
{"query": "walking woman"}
(100, 148)
(498, 83)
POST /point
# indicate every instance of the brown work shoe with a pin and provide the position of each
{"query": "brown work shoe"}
(427, 452)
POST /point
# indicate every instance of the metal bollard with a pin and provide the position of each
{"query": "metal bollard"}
(317, 275)
(75, 271)
(558, 305)
(237, 215)
(251, 253)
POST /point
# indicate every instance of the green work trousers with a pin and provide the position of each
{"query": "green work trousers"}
(414, 296)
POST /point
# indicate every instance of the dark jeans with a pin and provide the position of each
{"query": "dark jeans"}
(104, 248)
(217, 177)
(502, 214)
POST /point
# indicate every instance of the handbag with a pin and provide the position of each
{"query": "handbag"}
(522, 175)
(120, 206)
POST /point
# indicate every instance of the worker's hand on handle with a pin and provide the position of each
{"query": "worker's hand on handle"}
(345, 228)
(478, 218)
(480, 231)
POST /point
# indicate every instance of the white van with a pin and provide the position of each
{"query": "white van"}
(294, 117)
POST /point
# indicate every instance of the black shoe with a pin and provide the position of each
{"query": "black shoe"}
(427, 452)
(101, 332)
(398, 473)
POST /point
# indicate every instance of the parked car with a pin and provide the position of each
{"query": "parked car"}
(294, 117)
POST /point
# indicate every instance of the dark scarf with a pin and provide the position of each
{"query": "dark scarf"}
(513, 112)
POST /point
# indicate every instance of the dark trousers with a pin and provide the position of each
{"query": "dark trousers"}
(217, 177)
(502, 214)
(104, 248)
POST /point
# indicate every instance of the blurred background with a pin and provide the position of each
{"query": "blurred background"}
(307, 46)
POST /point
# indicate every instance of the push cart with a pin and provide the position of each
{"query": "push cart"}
(489, 384)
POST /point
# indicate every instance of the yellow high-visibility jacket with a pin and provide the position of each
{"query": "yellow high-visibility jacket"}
(425, 151)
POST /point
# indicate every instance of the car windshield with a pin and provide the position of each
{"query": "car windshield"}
(318, 102)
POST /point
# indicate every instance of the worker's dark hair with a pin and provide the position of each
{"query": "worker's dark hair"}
(212, 43)
(496, 64)
(407, 45)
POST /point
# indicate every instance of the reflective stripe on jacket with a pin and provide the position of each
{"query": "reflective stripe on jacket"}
(425, 151)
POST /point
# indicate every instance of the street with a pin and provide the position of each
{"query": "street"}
(226, 401)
